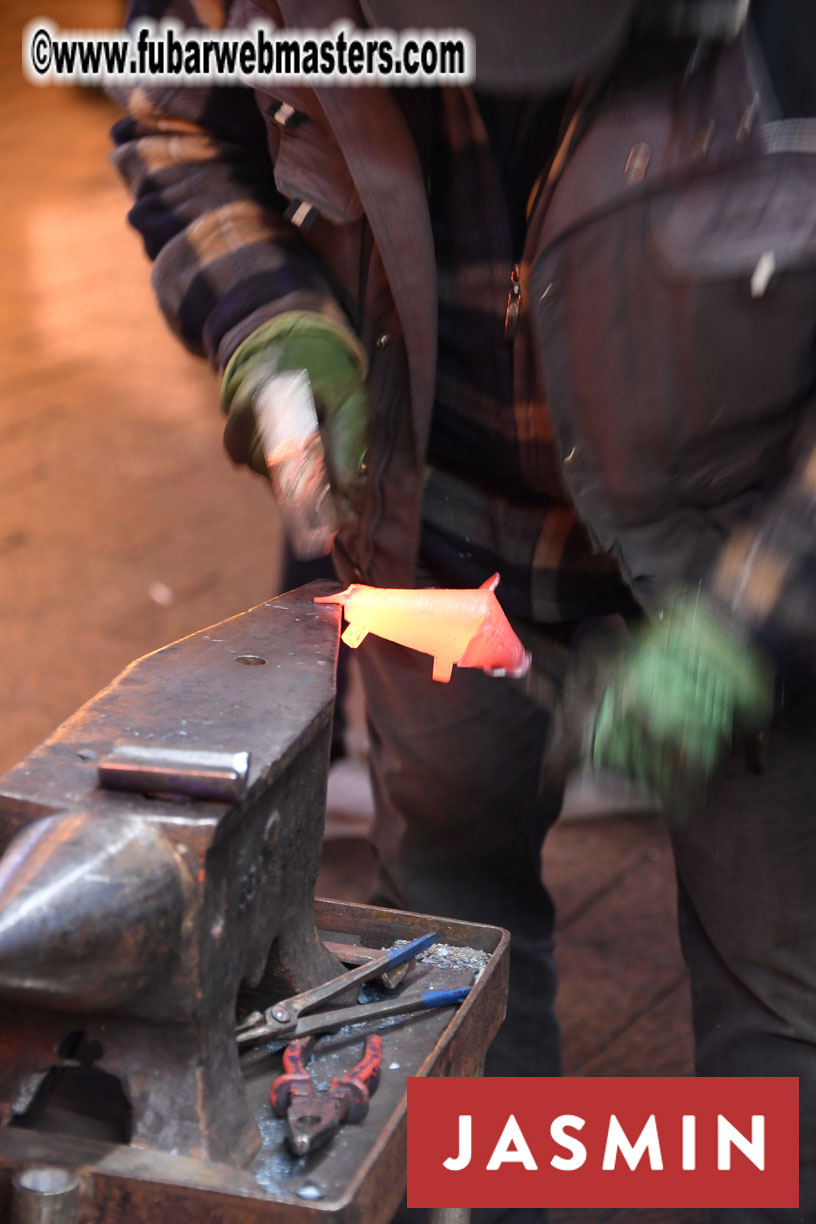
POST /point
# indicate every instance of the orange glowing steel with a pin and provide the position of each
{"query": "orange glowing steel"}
(466, 628)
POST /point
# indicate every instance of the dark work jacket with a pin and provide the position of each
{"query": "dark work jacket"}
(674, 300)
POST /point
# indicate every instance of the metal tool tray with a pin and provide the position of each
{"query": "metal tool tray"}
(361, 1176)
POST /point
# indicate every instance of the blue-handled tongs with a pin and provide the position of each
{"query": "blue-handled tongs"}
(286, 1019)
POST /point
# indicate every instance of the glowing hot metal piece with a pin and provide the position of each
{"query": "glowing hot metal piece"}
(467, 628)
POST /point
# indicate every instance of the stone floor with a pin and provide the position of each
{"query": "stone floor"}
(123, 527)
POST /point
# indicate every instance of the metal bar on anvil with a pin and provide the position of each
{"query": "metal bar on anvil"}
(156, 769)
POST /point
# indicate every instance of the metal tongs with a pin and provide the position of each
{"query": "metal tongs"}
(285, 1019)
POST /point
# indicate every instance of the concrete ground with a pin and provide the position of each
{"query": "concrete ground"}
(123, 527)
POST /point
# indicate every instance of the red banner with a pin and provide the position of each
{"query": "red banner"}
(650, 1142)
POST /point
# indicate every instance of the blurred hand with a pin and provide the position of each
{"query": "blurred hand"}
(664, 711)
(336, 366)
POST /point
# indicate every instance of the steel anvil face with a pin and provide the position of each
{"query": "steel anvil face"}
(129, 921)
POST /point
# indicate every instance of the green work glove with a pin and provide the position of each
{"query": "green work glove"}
(336, 365)
(666, 714)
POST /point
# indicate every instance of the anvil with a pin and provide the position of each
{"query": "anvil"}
(130, 922)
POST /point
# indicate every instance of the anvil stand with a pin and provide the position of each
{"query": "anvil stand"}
(159, 910)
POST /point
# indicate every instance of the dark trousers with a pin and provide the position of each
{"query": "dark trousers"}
(461, 818)
(746, 869)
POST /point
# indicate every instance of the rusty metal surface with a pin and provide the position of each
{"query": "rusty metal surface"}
(360, 1177)
(128, 924)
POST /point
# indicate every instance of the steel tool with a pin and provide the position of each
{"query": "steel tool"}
(286, 1018)
(356, 954)
(313, 1117)
(327, 1022)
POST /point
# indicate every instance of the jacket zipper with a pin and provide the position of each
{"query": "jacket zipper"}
(511, 314)
(543, 186)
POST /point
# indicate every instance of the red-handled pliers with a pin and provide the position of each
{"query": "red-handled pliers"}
(313, 1117)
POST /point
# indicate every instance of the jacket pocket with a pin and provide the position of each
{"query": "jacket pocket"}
(677, 334)
(737, 255)
(309, 168)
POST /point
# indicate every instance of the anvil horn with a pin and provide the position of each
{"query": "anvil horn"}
(90, 911)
